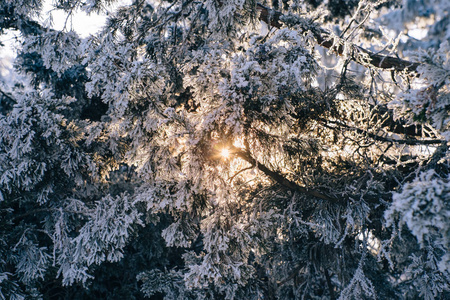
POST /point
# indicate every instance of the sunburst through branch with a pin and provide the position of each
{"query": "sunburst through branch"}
(225, 153)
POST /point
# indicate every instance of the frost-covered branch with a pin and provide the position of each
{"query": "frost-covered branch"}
(380, 138)
(358, 54)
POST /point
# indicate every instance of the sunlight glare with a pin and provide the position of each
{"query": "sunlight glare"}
(225, 153)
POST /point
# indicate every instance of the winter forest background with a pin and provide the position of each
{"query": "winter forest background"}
(226, 149)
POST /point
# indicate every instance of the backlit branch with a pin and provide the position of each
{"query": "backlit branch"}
(277, 177)
(358, 54)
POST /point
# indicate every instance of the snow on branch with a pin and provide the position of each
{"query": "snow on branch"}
(358, 54)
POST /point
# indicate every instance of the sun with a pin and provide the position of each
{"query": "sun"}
(225, 153)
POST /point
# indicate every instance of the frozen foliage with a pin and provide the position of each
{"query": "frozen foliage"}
(58, 50)
(424, 206)
(359, 287)
(101, 239)
(430, 101)
(428, 280)
(169, 283)
(227, 150)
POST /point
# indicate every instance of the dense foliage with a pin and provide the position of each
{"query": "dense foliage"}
(227, 149)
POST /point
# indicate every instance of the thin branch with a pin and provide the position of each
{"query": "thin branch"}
(376, 137)
(324, 39)
(243, 170)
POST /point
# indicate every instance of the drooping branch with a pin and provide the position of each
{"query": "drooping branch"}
(358, 54)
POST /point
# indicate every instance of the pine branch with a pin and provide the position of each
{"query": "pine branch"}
(358, 54)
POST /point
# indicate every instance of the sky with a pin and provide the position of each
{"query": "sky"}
(80, 22)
